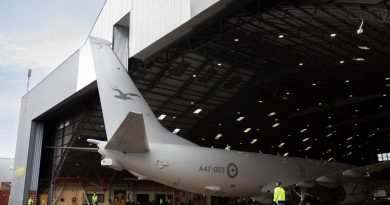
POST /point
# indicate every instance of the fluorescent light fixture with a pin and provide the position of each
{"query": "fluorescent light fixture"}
(384, 95)
(314, 84)
(341, 62)
(329, 126)
(176, 131)
(347, 81)
(328, 151)
(281, 144)
(161, 117)
(333, 35)
(300, 64)
(202, 139)
(330, 159)
(218, 136)
(287, 93)
(260, 101)
(349, 146)
(359, 59)
(239, 119)
(247, 130)
(281, 36)
(228, 147)
(271, 114)
(194, 76)
(285, 154)
(330, 134)
(236, 39)
(349, 138)
(197, 111)
(364, 47)
(303, 130)
(219, 64)
(304, 140)
(276, 124)
(307, 148)
(297, 109)
(254, 141)
(350, 96)
(349, 153)
(387, 78)
(174, 117)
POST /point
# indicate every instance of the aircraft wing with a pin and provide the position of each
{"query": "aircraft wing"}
(130, 137)
(331, 180)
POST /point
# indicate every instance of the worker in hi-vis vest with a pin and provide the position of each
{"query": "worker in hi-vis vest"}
(279, 194)
(94, 199)
(30, 201)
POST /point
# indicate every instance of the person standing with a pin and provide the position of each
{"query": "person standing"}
(30, 201)
(94, 199)
(279, 194)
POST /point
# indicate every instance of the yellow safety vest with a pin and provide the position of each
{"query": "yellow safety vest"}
(30, 201)
(94, 198)
(279, 194)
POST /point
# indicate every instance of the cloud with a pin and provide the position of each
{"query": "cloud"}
(42, 49)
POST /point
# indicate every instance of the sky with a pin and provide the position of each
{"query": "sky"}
(36, 35)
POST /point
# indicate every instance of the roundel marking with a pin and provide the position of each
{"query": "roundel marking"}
(232, 170)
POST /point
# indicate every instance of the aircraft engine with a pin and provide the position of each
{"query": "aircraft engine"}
(111, 163)
(349, 193)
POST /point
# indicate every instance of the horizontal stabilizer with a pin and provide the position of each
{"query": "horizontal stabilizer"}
(82, 149)
(130, 137)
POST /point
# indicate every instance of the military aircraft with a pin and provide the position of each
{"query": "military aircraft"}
(138, 143)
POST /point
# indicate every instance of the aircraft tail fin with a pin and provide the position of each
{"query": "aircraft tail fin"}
(130, 137)
(126, 113)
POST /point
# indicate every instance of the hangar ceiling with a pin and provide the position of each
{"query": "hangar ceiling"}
(280, 77)
(302, 79)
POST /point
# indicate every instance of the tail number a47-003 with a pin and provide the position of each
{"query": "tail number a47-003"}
(212, 169)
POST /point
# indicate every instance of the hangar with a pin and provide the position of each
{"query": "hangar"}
(291, 78)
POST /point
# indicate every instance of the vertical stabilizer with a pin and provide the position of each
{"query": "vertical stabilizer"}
(119, 96)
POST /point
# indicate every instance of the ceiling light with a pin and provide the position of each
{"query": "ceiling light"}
(197, 111)
(247, 130)
(287, 93)
(285, 154)
(349, 153)
(329, 117)
(176, 131)
(380, 106)
(202, 139)
(329, 126)
(275, 125)
(314, 84)
(227, 147)
(297, 109)
(341, 62)
(330, 159)
(300, 64)
(349, 138)
(254, 141)
(349, 146)
(303, 130)
(304, 140)
(239, 119)
(359, 59)
(384, 95)
(236, 39)
(387, 78)
(347, 81)
(174, 117)
(218, 136)
(364, 47)
(271, 114)
(356, 110)
(332, 35)
(161, 117)
(281, 144)
(281, 36)
(350, 96)
(194, 76)
(307, 148)
(328, 151)
(330, 134)
(260, 101)
(219, 64)
(192, 103)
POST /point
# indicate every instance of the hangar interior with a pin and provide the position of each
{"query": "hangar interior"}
(287, 77)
